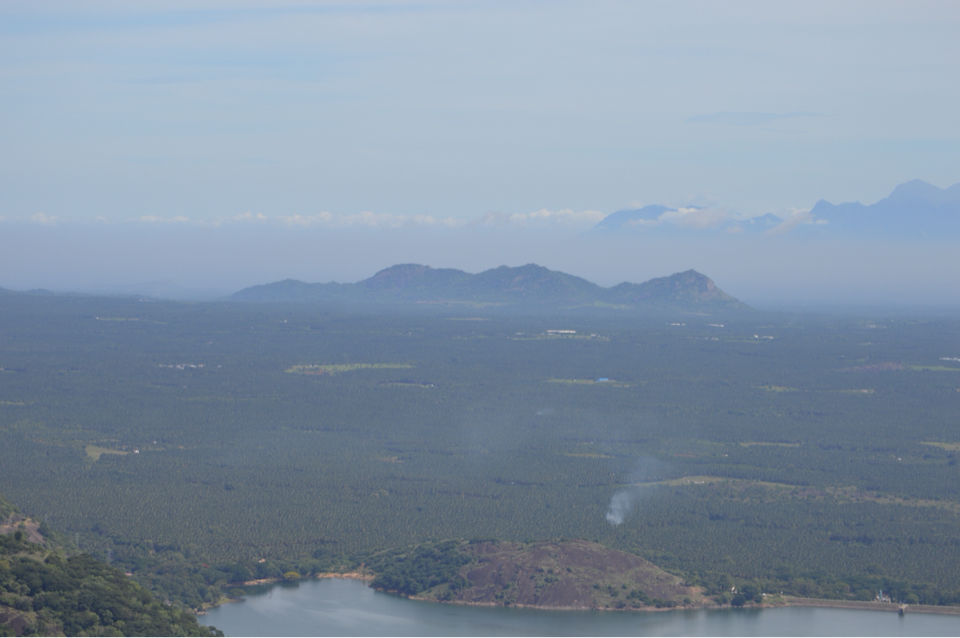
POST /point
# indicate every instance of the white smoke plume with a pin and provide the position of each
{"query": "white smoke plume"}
(625, 501)
(621, 504)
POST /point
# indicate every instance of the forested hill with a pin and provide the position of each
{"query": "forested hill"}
(45, 592)
(523, 285)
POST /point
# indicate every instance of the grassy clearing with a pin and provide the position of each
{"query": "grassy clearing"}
(767, 444)
(338, 368)
(587, 455)
(209, 399)
(604, 304)
(463, 303)
(685, 481)
(607, 382)
(407, 384)
(585, 336)
(855, 495)
(94, 452)
(943, 445)
(130, 319)
(846, 494)
(693, 480)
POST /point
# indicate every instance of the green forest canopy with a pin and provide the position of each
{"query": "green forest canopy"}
(809, 455)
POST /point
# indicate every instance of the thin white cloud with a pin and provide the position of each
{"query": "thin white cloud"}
(692, 217)
(43, 219)
(793, 218)
(561, 217)
(155, 219)
(242, 218)
(250, 217)
(430, 220)
(368, 219)
(317, 219)
(696, 218)
(687, 218)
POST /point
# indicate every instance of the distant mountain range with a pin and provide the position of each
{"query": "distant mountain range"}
(523, 285)
(914, 210)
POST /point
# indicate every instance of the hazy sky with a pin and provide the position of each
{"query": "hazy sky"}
(328, 117)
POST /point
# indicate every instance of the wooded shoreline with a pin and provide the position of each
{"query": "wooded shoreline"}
(783, 601)
(788, 601)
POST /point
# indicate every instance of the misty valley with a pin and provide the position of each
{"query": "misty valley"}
(594, 457)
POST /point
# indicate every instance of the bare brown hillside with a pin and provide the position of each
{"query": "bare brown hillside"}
(564, 574)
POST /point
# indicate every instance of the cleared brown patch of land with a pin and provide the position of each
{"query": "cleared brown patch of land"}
(354, 575)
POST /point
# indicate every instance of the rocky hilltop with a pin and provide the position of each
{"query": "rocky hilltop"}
(572, 574)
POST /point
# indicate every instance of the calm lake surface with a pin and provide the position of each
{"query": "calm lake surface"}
(335, 607)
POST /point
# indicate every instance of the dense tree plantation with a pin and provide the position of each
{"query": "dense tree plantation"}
(202, 445)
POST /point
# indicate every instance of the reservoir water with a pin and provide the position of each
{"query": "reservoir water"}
(334, 607)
